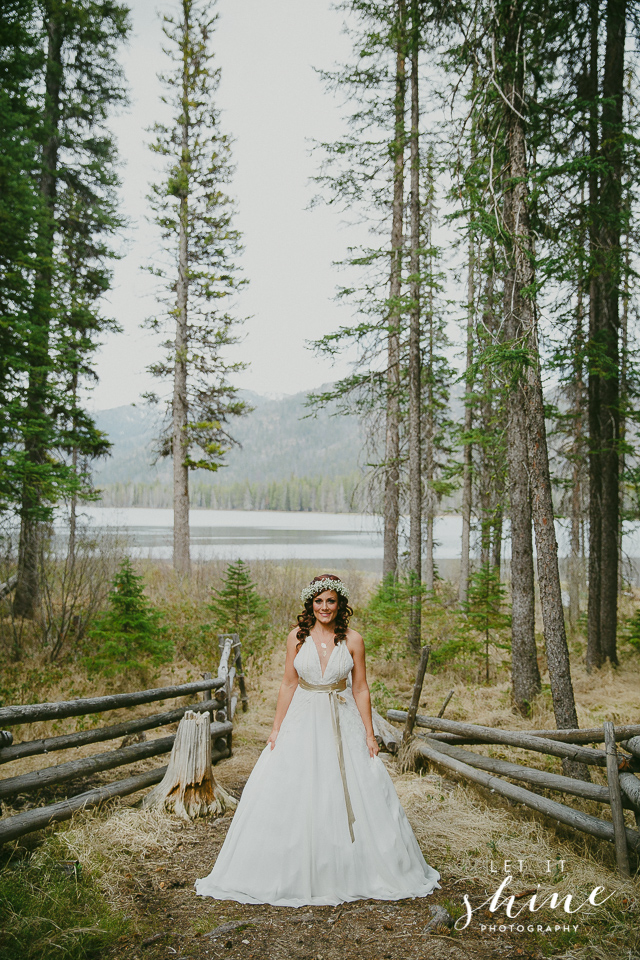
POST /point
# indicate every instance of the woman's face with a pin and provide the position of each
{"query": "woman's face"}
(325, 606)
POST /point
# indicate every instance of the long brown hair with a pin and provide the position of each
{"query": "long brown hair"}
(307, 620)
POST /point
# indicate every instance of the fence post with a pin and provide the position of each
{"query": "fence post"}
(417, 690)
(208, 694)
(237, 649)
(617, 814)
(224, 642)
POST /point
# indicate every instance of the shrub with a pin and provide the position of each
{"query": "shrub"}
(485, 614)
(237, 607)
(130, 634)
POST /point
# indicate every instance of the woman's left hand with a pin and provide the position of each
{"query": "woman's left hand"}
(372, 744)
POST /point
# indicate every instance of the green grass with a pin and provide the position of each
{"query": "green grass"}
(45, 914)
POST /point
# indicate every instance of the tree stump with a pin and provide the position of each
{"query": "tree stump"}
(189, 787)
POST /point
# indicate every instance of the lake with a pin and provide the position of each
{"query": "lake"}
(273, 535)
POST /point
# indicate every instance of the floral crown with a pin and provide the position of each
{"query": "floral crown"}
(319, 586)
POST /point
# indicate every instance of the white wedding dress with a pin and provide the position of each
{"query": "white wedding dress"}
(289, 843)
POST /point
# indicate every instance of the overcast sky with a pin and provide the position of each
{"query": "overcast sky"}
(272, 103)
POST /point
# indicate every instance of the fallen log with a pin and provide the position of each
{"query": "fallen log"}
(8, 586)
(580, 736)
(385, 733)
(189, 787)
(541, 778)
(525, 741)
(630, 785)
(632, 745)
(40, 817)
(62, 772)
(551, 808)
(32, 748)
(30, 713)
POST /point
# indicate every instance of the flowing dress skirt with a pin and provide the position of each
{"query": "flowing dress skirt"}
(289, 842)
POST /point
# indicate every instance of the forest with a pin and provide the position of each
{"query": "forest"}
(487, 168)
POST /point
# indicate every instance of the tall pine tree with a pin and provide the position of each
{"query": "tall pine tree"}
(200, 275)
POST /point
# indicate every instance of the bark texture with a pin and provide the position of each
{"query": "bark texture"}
(522, 307)
(467, 450)
(525, 675)
(27, 593)
(180, 407)
(415, 391)
(611, 207)
(392, 439)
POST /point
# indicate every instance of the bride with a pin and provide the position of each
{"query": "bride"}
(319, 821)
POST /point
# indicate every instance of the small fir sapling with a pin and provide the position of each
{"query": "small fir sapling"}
(130, 634)
(484, 611)
(237, 607)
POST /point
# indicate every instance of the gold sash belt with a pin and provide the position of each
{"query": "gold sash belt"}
(332, 690)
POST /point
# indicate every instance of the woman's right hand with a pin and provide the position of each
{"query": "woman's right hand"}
(272, 739)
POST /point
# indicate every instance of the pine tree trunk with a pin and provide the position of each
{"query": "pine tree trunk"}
(594, 645)
(415, 373)
(180, 408)
(392, 440)
(467, 450)
(624, 400)
(429, 433)
(541, 498)
(525, 675)
(575, 560)
(611, 204)
(27, 592)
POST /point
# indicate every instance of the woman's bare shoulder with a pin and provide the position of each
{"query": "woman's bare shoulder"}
(355, 640)
(292, 638)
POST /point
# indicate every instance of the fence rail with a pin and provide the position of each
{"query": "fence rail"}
(219, 701)
(442, 746)
(31, 713)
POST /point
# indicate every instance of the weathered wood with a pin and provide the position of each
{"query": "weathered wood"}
(206, 694)
(225, 641)
(32, 748)
(240, 673)
(632, 745)
(551, 808)
(417, 690)
(8, 586)
(525, 741)
(234, 704)
(188, 786)
(94, 764)
(445, 704)
(617, 815)
(587, 735)
(30, 713)
(630, 785)
(541, 778)
(386, 734)
(40, 817)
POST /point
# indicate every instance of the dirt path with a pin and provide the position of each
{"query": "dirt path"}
(174, 923)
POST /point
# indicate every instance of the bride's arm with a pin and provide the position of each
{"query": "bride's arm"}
(360, 687)
(287, 687)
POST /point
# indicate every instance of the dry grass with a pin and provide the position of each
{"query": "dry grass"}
(462, 830)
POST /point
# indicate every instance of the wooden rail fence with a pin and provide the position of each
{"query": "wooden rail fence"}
(442, 747)
(218, 699)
